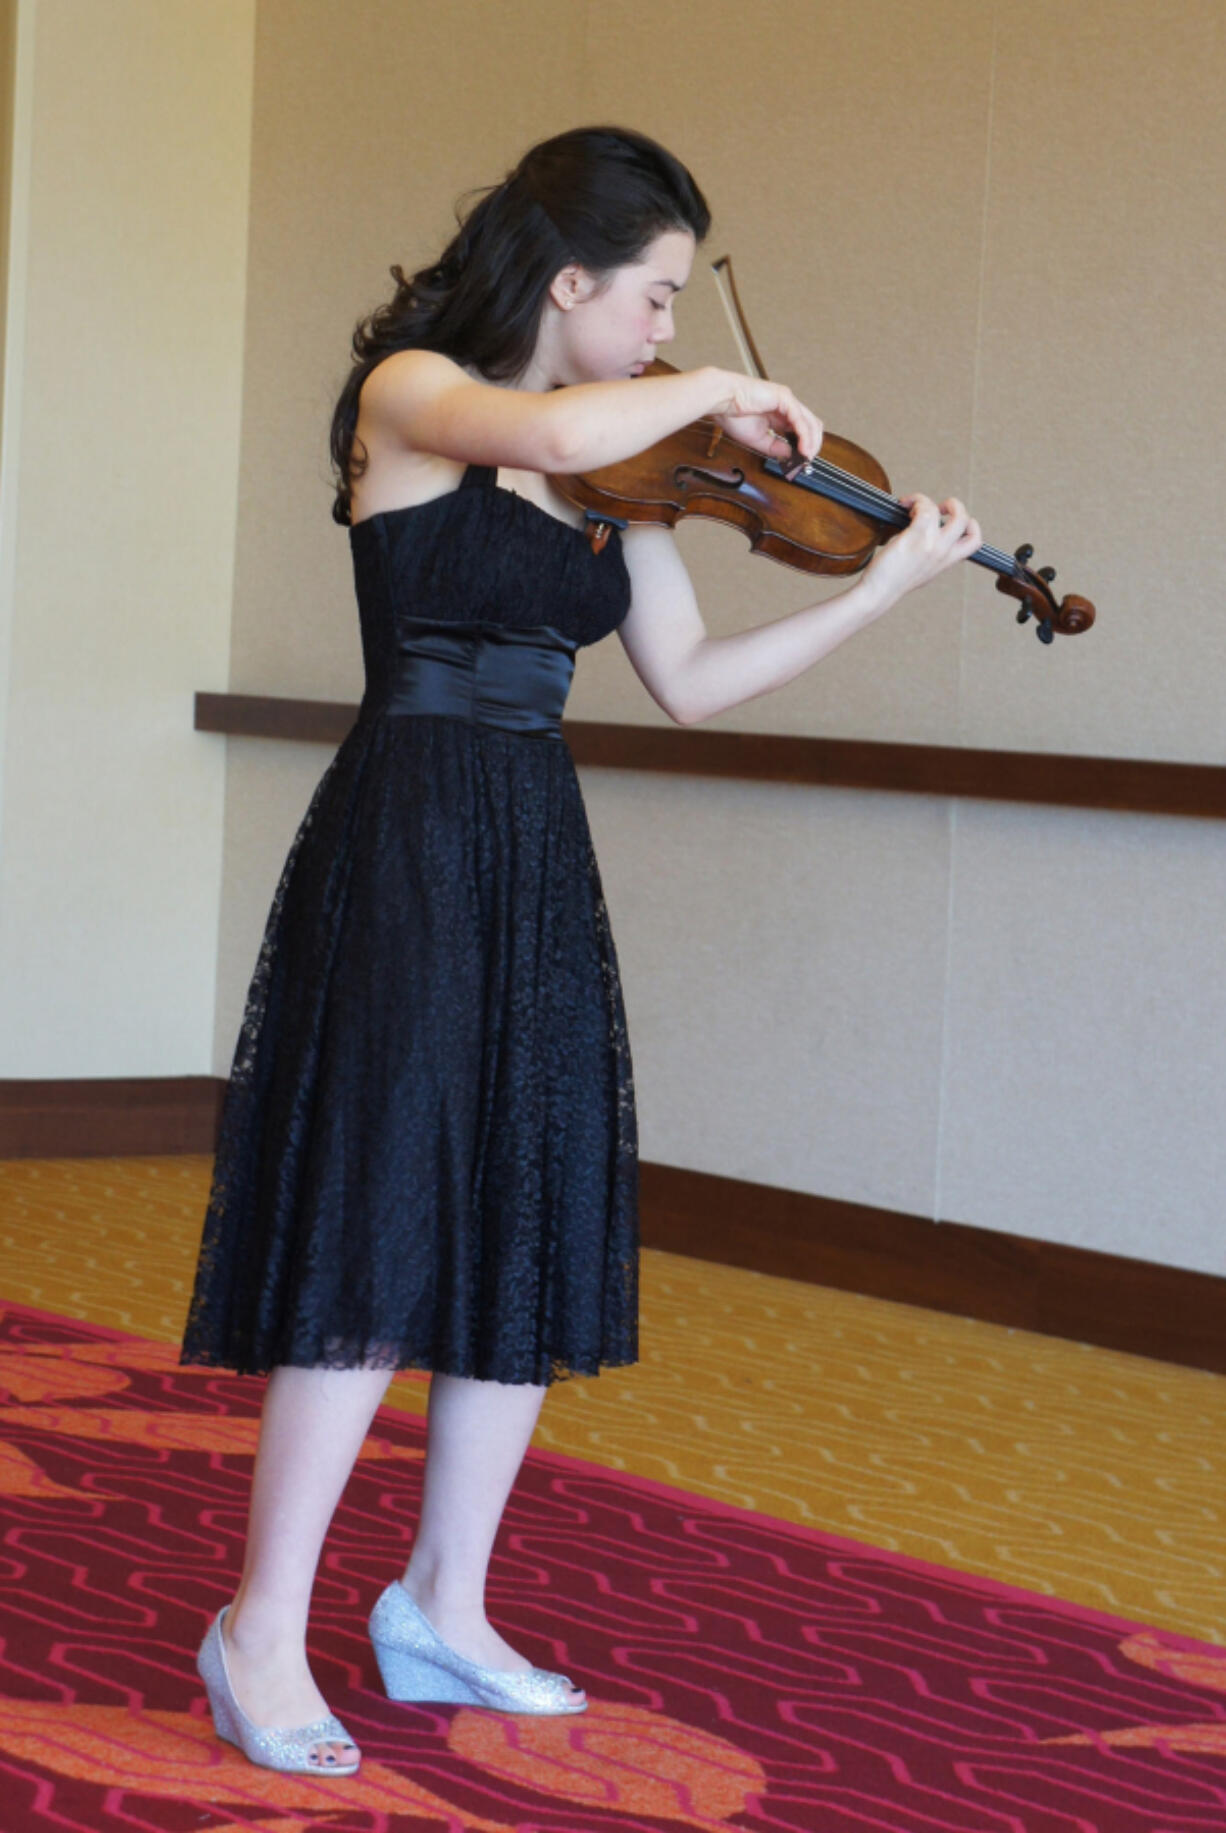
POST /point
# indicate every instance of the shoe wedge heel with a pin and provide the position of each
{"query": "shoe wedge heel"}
(407, 1677)
(418, 1667)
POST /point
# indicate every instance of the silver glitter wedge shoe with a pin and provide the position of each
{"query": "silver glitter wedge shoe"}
(416, 1664)
(267, 1745)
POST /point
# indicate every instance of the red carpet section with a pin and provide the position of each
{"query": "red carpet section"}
(743, 1673)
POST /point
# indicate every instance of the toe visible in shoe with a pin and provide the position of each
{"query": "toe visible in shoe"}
(334, 1755)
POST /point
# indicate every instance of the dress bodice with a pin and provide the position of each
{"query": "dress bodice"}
(481, 554)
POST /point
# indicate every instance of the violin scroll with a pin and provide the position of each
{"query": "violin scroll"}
(1070, 617)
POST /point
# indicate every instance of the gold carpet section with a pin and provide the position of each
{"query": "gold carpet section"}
(1070, 1470)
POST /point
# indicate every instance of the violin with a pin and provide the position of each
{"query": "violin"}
(826, 514)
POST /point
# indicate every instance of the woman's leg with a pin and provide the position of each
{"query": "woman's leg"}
(311, 1430)
(478, 1432)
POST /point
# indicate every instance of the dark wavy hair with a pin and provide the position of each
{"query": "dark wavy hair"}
(596, 196)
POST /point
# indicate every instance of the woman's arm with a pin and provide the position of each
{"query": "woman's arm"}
(425, 402)
(694, 676)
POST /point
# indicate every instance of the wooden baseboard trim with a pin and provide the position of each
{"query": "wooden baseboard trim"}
(1170, 1313)
(109, 1117)
(1133, 1305)
(1125, 785)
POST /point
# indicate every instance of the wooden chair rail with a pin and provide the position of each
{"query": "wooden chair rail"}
(1127, 785)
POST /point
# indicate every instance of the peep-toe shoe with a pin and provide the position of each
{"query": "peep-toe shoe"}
(267, 1745)
(416, 1664)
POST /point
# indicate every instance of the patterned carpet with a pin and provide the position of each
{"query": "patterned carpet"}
(744, 1672)
(1071, 1471)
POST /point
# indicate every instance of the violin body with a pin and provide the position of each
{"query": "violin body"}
(822, 515)
(702, 471)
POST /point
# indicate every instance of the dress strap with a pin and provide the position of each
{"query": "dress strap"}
(479, 477)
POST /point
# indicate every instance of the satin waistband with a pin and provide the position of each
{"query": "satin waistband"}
(488, 673)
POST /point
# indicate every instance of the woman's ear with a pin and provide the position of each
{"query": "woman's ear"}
(571, 286)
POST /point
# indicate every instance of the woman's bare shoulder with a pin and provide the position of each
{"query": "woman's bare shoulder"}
(398, 472)
(422, 401)
(408, 378)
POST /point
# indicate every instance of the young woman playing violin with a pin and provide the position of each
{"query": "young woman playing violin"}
(427, 1156)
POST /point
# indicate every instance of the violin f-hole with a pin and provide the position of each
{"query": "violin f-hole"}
(729, 480)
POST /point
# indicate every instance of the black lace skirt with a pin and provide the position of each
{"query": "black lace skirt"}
(428, 1152)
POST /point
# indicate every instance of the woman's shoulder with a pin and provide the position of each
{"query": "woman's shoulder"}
(410, 376)
(401, 471)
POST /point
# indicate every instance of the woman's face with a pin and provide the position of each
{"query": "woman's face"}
(601, 334)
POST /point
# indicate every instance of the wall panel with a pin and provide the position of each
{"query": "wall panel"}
(978, 246)
(123, 382)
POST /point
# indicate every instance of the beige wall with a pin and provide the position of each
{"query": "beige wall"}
(8, 54)
(990, 249)
(14, 174)
(123, 369)
(993, 251)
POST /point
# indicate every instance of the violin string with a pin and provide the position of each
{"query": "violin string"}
(873, 500)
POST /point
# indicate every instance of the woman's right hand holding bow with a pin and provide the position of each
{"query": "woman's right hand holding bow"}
(763, 414)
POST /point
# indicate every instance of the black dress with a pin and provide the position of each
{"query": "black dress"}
(428, 1150)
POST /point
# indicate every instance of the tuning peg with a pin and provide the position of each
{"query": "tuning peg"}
(1023, 554)
(1048, 573)
(1045, 633)
(1023, 615)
